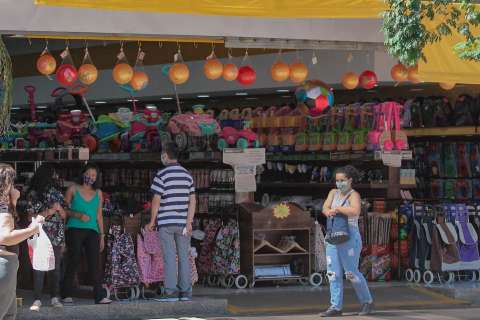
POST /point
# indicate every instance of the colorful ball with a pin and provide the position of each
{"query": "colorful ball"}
(67, 74)
(213, 69)
(368, 79)
(413, 75)
(447, 85)
(139, 80)
(122, 73)
(246, 75)
(230, 72)
(46, 64)
(350, 80)
(280, 71)
(298, 72)
(399, 73)
(316, 95)
(179, 73)
(87, 74)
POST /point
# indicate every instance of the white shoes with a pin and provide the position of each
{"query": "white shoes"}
(56, 303)
(36, 305)
(67, 300)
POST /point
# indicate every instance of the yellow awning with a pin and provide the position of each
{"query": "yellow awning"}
(320, 9)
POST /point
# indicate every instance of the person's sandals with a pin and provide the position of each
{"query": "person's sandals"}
(56, 303)
(367, 309)
(331, 312)
(104, 301)
(67, 300)
(36, 305)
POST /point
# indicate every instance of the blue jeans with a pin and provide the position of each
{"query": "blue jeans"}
(343, 259)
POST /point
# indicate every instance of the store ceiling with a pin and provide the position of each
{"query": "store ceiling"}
(25, 52)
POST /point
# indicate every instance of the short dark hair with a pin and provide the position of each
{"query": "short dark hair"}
(87, 167)
(349, 171)
(171, 150)
(43, 178)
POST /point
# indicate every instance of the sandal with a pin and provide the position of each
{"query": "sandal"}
(104, 301)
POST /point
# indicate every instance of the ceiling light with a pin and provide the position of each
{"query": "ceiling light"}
(100, 102)
(132, 100)
(251, 98)
(166, 98)
(41, 107)
(15, 108)
(283, 90)
(203, 96)
(241, 94)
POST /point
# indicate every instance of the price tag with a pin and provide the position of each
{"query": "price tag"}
(121, 55)
(392, 160)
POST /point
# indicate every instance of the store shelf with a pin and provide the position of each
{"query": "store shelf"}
(266, 185)
(442, 132)
(257, 255)
(318, 156)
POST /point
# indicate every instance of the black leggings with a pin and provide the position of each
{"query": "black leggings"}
(39, 276)
(76, 239)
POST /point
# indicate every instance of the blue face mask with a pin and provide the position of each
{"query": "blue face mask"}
(344, 186)
(88, 181)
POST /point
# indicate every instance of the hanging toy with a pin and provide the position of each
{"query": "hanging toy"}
(399, 73)
(46, 63)
(122, 72)
(246, 75)
(87, 73)
(67, 74)
(280, 71)
(140, 78)
(350, 80)
(178, 72)
(317, 95)
(213, 68)
(298, 72)
(368, 79)
(413, 76)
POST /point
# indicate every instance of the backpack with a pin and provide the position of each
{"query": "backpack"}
(465, 108)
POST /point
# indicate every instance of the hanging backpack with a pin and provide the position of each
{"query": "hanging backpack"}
(416, 113)
(373, 137)
(465, 108)
(442, 112)
(468, 244)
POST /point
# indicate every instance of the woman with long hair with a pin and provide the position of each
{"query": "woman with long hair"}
(10, 237)
(46, 199)
(85, 230)
(343, 258)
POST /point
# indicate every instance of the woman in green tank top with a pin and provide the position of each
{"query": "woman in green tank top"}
(85, 230)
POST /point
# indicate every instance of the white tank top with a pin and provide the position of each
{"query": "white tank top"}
(338, 199)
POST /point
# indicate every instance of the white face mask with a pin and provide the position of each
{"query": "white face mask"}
(344, 186)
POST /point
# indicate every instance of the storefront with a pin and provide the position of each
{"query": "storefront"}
(294, 103)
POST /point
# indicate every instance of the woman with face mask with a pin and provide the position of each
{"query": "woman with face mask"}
(10, 237)
(84, 230)
(343, 258)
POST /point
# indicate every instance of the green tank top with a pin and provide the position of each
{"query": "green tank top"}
(88, 207)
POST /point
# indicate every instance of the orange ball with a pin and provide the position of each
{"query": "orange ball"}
(413, 76)
(46, 64)
(88, 74)
(230, 72)
(139, 80)
(179, 73)
(350, 80)
(447, 85)
(298, 72)
(280, 71)
(213, 69)
(122, 73)
(399, 73)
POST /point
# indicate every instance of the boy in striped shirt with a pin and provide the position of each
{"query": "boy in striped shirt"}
(173, 208)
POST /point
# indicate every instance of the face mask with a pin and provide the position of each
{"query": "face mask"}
(344, 186)
(164, 159)
(88, 181)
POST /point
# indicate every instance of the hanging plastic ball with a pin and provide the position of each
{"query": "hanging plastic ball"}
(368, 79)
(122, 73)
(230, 72)
(413, 75)
(280, 71)
(46, 64)
(87, 74)
(139, 80)
(321, 103)
(213, 69)
(316, 95)
(298, 72)
(399, 72)
(67, 75)
(350, 80)
(246, 75)
(179, 73)
(447, 85)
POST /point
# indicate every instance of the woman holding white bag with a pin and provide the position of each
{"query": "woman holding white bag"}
(10, 237)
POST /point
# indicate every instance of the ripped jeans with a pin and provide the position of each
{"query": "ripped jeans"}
(344, 258)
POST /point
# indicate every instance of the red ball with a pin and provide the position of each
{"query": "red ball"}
(368, 79)
(67, 74)
(246, 75)
(321, 103)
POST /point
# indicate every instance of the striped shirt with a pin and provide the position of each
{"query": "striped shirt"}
(174, 185)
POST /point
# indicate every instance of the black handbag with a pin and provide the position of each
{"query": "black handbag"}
(337, 226)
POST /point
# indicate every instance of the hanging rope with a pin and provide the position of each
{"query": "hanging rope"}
(6, 88)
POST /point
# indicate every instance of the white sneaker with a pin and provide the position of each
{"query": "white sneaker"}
(36, 305)
(67, 300)
(56, 303)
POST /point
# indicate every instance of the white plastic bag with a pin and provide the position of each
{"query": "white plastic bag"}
(40, 250)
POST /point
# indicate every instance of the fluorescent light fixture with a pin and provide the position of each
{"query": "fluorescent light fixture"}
(100, 102)
(203, 96)
(251, 98)
(166, 98)
(286, 96)
(41, 107)
(132, 100)
(241, 94)
(15, 108)
(265, 43)
(283, 90)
